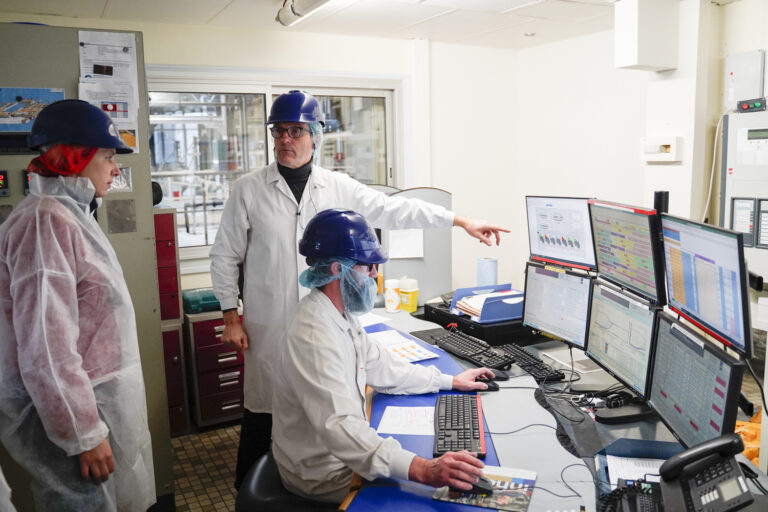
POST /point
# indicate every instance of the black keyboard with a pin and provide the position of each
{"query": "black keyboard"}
(459, 425)
(538, 369)
(474, 350)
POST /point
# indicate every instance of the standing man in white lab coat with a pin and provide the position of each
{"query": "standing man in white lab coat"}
(262, 223)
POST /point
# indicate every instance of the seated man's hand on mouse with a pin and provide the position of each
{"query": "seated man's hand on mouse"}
(467, 380)
(456, 469)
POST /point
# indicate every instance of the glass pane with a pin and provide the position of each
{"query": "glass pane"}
(355, 137)
(200, 144)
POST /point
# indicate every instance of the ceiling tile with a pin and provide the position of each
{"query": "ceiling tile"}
(497, 6)
(74, 8)
(457, 25)
(563, 10)
(195, 12)
(372, 17)
(546, 31)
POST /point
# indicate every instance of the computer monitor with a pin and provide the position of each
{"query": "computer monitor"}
(707, 280)
(620, 335)
(557, 302)
(559, 232)
(628, 247)
(695, 385)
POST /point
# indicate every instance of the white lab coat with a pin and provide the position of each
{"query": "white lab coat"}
(320, 433)
(261, 226)
(70, 373)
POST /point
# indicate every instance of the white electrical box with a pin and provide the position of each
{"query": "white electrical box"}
(645, 34)
(743, 78)
(661, 149)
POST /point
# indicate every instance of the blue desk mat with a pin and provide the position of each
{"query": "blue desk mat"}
(388, 493)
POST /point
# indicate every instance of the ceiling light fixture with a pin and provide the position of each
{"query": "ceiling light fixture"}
(293, 11)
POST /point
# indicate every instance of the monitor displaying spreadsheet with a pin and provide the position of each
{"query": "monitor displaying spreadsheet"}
(628, 247)
(707, 279)
(695, 385)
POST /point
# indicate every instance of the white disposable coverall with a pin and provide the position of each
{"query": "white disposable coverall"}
(320, 434)
(261, 226)
(70, 373)
(5, 496)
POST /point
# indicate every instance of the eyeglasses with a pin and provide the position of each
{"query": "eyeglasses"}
(294, 132)
(369, 267)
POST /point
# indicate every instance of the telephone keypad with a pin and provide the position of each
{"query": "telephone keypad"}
(712, 472)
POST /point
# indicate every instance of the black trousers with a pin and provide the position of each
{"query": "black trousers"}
(255, 437)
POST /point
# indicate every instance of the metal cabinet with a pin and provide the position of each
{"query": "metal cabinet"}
(215, 371)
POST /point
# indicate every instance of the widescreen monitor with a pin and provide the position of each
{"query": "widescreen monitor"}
(695, 385)
(620, 335)
(557, 302)
(559, 232)
(707, 279)
(628, 247)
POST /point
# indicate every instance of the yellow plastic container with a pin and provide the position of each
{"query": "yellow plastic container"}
(409, 295)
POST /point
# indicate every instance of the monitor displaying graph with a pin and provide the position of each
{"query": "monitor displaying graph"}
(620, 335)
(559, 231)
(695, 385)
(627, 247)
(557, 302)
(707, 279)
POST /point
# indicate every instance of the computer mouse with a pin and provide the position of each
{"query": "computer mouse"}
(499, 374)
(482, 486)
(492, 386)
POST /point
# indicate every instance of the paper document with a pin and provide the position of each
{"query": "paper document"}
(473, 304)
(416, 421)
(631, 468)
(401, 346)
(372, 319)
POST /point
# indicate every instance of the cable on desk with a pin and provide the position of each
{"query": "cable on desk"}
(523, 428)
(562, 479)
(752, 372)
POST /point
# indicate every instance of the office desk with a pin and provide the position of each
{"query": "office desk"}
(535, 448)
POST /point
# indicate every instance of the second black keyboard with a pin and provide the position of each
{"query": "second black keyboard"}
(474, 350)
(538, 369)
(459, 425)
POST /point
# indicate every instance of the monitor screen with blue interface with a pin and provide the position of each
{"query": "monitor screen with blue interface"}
(620, 335)
(695, 385)
(627, 247)
(557, 302)
(707, 279)
(559, 232)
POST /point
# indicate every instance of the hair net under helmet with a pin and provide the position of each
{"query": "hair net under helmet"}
(75, 122)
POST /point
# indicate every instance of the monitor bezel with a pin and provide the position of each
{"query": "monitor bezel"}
(699, 322)
(734, 391)
(651, 350)
(657, 250)
(570, 343)
(562, 262)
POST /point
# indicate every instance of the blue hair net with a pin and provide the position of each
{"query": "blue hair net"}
(319, 273)
(317, 136)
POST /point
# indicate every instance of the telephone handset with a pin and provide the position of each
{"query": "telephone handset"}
(706, 477)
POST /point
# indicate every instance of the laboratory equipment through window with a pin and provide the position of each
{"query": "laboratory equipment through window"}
(354, 137)
(200, 144)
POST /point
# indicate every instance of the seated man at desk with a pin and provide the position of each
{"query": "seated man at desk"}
(320, 434)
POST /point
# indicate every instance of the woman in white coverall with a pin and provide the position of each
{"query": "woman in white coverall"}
(72, 404)
(262, 223)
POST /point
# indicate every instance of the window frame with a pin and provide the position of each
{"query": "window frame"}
(192, 79)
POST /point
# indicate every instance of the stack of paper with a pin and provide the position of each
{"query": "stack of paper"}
(473, 304)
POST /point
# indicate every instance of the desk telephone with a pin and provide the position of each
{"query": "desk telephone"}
(703, 478)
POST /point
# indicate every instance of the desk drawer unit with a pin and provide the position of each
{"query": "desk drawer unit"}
(215, 371)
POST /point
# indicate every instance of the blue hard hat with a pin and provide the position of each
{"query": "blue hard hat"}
(75, 122)
(296, 107)
(340, 233)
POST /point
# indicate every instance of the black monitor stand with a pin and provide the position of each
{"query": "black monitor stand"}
(625, 414)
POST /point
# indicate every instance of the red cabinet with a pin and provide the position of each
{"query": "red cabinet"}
(170, 316)
(215, 371)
